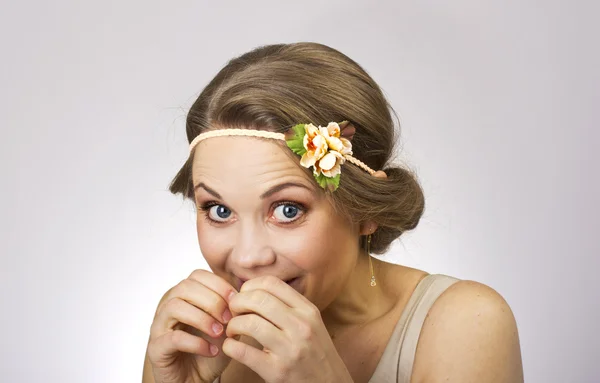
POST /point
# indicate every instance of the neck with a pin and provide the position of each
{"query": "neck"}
(359, 303)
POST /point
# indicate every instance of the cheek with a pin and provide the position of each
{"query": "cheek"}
(317, 248)
(212, 245)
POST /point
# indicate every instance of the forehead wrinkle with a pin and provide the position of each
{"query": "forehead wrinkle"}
(236, 163)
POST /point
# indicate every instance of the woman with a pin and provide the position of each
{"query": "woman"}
(289, 167)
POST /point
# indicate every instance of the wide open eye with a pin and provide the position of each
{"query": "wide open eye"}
(219, 213)
(287, 212)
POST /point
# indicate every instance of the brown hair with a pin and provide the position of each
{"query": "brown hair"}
(277, 86)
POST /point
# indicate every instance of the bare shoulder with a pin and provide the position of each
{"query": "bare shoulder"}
(469, 335)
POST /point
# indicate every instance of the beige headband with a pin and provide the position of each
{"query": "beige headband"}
(322, 148)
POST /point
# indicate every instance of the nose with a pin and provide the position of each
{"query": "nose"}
(252, 248)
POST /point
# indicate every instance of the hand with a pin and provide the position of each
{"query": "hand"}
(188, 330)
(297, 346)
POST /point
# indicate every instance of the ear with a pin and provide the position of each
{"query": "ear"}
(368, 227)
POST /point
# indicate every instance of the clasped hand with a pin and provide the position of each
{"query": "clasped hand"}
(296, 344)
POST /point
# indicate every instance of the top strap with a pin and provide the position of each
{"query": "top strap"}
(426, 293)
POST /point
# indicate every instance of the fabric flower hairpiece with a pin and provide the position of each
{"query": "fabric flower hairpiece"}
(323, 149)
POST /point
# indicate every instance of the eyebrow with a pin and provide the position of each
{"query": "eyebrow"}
(268, 193)
(209, 190)
(280, 187)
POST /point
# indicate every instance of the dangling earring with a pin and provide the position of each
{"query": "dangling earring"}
(373, 282)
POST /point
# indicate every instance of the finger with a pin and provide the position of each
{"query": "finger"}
(266, 305)
(259, 329)
(216, 283)
(176, 311)
(256, 360)
(163, 350)
(201, 296)
(279, 289)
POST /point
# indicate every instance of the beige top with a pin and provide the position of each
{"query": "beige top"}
(396, 363)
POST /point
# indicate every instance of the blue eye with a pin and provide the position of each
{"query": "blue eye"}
(219, 213)
(287, 212)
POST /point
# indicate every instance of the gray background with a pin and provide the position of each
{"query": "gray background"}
(498, 104)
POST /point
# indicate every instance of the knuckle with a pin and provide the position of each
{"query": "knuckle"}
(232, 327)
(179, 290)
(294, 353)
(189, 288)
(253, 324)
(304, 331)
(153, 352)
(264, 299)
(197, 274)
(215, 301)
(166, 296)
(258, 298)
(298, 351)
(164, 316)
(314, 313)
(173, 305)
(154, 330)
(240, 324)
(177, 337)
(221, 306)
(184, 287)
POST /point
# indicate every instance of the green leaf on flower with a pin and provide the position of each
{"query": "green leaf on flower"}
(328, 183)
(296, 143)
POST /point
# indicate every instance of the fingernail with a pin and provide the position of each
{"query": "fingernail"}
(213, 349)
(231, 295)
(226, 315)
(217, 328)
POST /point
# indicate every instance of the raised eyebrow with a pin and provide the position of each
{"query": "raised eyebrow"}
(209, 190)
(282, 186)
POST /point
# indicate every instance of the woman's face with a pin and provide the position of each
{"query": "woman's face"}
(261, 214)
